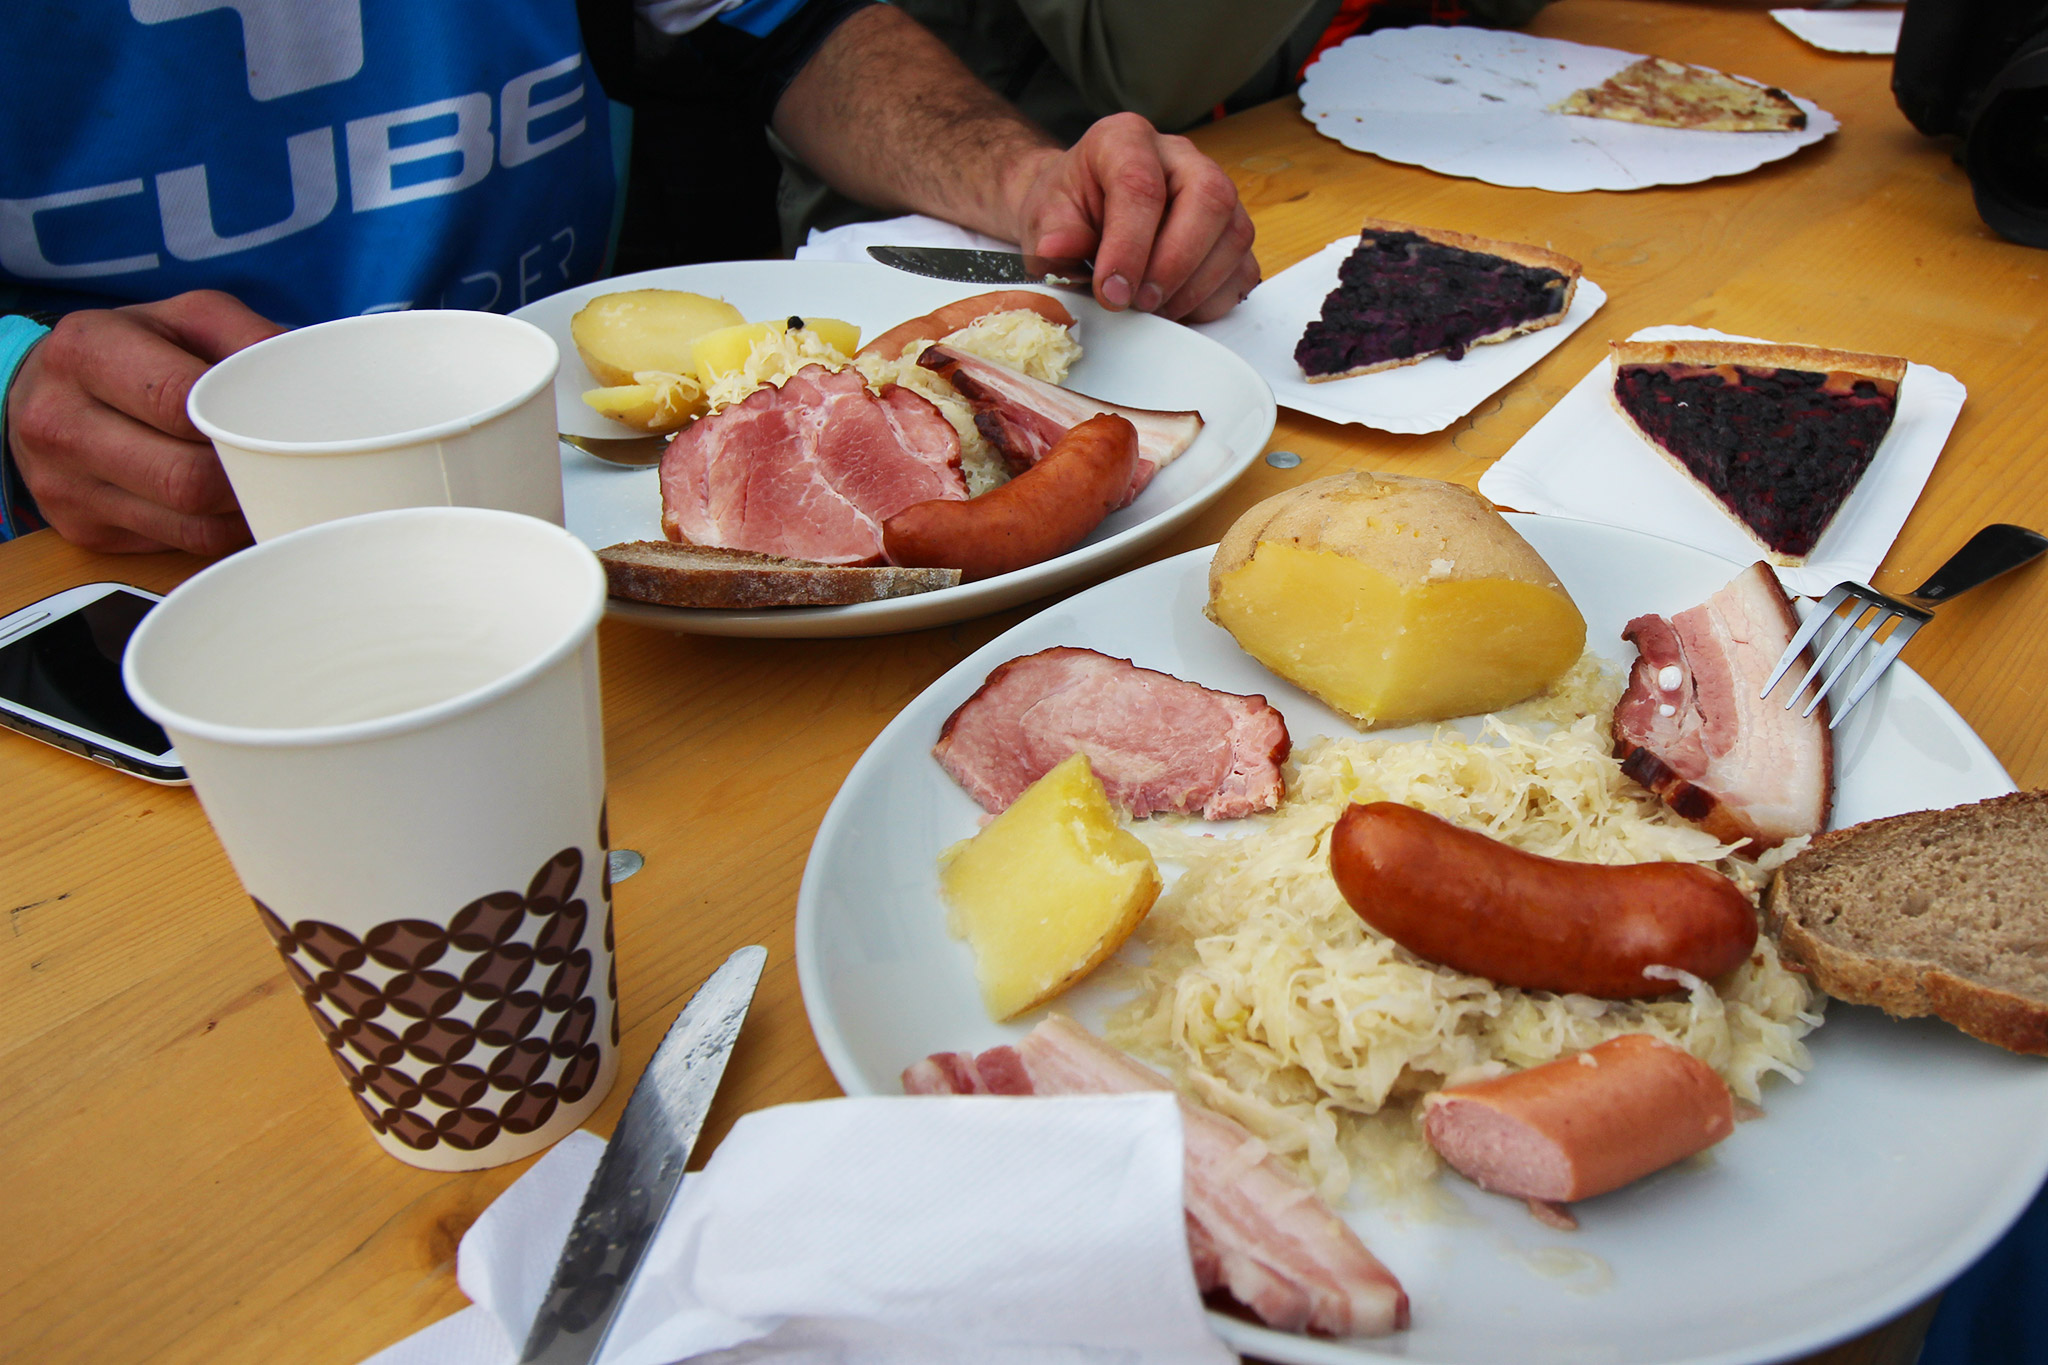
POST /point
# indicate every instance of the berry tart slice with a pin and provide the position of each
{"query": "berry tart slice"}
(1777, 436)
(1407, 293)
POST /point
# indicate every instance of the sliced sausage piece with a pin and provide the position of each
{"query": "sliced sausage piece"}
(1478, 905)
(946, 320)
(1581, 1125)
(1047, 510)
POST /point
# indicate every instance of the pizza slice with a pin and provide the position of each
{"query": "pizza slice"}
(1777, 436)
(1406, 293)
(1670, 94)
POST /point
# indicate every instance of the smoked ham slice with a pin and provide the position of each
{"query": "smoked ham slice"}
(1254, 1227)
(1692, 729)
(809, 470)
(1157, 743)
(1023, 418)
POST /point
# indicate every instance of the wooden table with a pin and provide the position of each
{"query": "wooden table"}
(184, 1180)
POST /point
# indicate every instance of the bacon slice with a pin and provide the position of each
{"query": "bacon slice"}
(1158, 743)
(1254, 1228)
(1691, 728)
(1023, 418)
(809, 470)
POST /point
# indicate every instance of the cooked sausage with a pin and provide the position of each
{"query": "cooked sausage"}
(1044, 511)
(945, 321)
(1477, 905)
(1581, 1125)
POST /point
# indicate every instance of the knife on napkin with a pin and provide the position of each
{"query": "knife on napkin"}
(641, 1168)
(970, 266)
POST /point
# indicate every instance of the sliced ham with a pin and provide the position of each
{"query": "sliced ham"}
(1692, 729)
(1157, 743)
(1254, 1227)
(1023, 418)
(809, 470)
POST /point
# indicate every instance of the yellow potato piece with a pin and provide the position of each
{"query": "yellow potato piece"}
(726, 350)
(1394, 600)
(1048, 889)
(619, 335)
(657, 407)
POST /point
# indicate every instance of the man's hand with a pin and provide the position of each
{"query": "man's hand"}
(1161, 221)
(97, 425)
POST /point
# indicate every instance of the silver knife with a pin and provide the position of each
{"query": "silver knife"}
(971, 266)
(641, 1167)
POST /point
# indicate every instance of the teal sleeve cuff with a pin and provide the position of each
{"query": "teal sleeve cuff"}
(17, 510)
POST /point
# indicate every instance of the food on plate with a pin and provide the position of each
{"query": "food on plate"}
(717, 356)
(1265, 995)
(1393, 599)
(1023, 418)
(1775, 436)
(1668, 94)
(808, 470)
(1692, 728)
(636, 343)
(1156, 742)
(673, 575)
(1480, 906)
(1406, 293)
(1254, 1228)
(949, 318)
(1941, 912)
(1582, 1125)
(1046, 890)
(1045, 511)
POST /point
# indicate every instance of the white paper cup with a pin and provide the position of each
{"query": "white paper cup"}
(423, 408)
(393, 723)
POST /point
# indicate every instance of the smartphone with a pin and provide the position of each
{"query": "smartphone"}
(60, 679)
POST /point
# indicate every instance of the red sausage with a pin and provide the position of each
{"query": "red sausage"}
(945, 321)
(1583, 1125)
(1477, 905)
(1044, 511)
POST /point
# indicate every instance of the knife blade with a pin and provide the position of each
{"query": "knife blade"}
(971, 266)
(641, 1167)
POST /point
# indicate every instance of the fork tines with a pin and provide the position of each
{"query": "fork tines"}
(1860, 629)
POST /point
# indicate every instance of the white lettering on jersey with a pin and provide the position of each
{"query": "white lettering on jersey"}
(22, 254)
(187, 207)
(372, 158)
(517, 111)
(287, 45)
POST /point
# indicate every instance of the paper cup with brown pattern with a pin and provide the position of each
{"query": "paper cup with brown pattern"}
(393, 723)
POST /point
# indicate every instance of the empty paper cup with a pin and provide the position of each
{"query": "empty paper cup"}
(393, 723)
(425, 408)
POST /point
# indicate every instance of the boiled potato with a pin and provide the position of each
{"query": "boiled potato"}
(658, 406)
(1048, 889)
(1394, 599)
(725, 351)
(620, 335)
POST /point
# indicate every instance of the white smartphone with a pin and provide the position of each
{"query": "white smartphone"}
(60, 680)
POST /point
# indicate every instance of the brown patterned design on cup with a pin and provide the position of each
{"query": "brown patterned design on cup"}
(455, 1035)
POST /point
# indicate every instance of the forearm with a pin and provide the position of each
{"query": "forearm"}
(887, 115)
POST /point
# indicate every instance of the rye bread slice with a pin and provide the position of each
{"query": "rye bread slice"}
(1941, 912)
(673, 575)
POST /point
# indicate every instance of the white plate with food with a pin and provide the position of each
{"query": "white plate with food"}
(1476, 103)
(1903, 1154)
(1133, 359)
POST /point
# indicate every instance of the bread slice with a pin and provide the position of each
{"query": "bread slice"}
(674, 575)
(1941, 912)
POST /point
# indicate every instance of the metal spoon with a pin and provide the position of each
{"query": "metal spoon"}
(633, 452)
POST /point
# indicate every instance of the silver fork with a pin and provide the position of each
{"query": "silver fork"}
(1989, 553)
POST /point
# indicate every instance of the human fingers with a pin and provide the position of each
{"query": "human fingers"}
(1226, 276)
(206, 322)
(1110, 187)
(1204, 243)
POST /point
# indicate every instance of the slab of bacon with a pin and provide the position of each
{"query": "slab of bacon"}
(1157, 743)
(1254, 1228)
(809, 470)
(1691, 728)
(1024, 417)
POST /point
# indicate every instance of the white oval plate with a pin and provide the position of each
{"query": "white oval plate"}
(1906, 1152)
(1133, 359)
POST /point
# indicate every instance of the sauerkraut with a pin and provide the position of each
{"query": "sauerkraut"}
(1274, 1003)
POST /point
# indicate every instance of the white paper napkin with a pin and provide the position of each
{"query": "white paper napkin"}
(1581, 460)
(897, 1230)
(1426, 396)
(851, 243)
(1874, 31)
